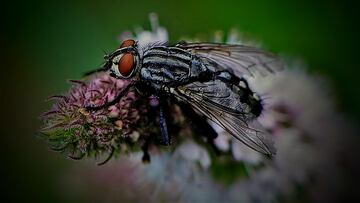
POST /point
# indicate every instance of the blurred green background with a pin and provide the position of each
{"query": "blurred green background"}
(44, 43)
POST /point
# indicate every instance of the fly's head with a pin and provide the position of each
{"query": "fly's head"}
(124, 62)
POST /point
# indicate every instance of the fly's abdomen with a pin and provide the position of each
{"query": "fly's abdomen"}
(251, 102)
(250, 98)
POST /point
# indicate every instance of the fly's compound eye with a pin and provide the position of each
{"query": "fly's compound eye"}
(127, 43)
(124, 65)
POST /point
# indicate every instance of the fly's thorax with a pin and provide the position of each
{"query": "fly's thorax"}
(163, 64)
(199, 70)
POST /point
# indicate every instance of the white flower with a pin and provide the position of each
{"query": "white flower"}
(222, 142)
(191, 151)
(144, 37)
(240, 152)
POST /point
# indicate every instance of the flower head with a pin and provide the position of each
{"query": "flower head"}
(69, 127)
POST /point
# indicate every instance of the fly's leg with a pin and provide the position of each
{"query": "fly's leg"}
(163, 125)
(93, 72)
(202, 126)
(116, 100)
(145, 149)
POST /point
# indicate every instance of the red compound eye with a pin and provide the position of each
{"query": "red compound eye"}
(126, 64)
(127, 43)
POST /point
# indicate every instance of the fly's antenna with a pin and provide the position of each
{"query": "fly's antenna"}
(102, 66)
(106, 55)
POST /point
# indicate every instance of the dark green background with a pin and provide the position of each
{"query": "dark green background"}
(44, 43)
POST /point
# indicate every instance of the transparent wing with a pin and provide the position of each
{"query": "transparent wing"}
(216, 102)
(238, 58)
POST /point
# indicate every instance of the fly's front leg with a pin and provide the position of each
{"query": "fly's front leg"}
(94, 71)
(122, 93)
(165, 136)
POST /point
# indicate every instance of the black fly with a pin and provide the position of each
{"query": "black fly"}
(206, 76)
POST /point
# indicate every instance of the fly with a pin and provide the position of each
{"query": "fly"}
(206, 76)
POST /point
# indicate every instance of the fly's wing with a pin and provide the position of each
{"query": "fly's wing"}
(238, 58)
(220, 104)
